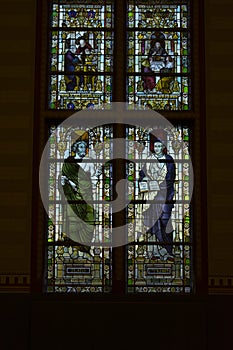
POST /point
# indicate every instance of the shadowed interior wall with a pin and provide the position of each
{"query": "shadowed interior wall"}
(219, 103)
(17, 55)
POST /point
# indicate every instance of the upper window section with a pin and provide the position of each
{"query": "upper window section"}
(158, 54)
(158, 61)
(80, 14)
(81, 54)
(158, 14)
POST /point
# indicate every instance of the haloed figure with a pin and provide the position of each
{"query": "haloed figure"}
(157, 214)
(77, 183)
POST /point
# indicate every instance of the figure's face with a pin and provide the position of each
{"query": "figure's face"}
(157, 45)
(158, 148)
(73, 49)
(82, 42)
(81, 149)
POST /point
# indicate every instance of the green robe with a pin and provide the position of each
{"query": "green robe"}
(79, 214)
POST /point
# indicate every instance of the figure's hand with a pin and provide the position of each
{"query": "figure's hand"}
(99, 171)
(72, 184)
(141, 172)
(64, 180)
(142, 175)
(145, 178)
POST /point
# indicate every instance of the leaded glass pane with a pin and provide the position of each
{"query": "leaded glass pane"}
(158, 58)
(81, 54)
(72, 265)
(159, 214)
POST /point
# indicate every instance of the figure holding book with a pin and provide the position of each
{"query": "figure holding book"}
(156, 185)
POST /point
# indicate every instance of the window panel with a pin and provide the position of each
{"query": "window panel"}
(158, 57)
(81, 54)
(159, 226)
(71, 265)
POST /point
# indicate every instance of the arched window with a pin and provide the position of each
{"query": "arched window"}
(144, 53)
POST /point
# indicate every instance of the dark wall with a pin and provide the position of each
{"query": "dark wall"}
(35, 323)
(17, 56)
(219, 103)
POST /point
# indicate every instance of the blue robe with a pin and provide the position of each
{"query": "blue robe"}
(157, 216)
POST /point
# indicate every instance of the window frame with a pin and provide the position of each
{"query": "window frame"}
(195, 117)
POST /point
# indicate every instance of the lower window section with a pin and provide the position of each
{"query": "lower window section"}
(158, 215)
(149, 271)
(72, 269)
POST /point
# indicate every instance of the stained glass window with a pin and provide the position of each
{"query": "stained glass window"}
(80, 186)
(160, 255)
(81, 54)
(158, 57)
(82, 59)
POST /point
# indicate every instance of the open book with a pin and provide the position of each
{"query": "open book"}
(150, 185)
